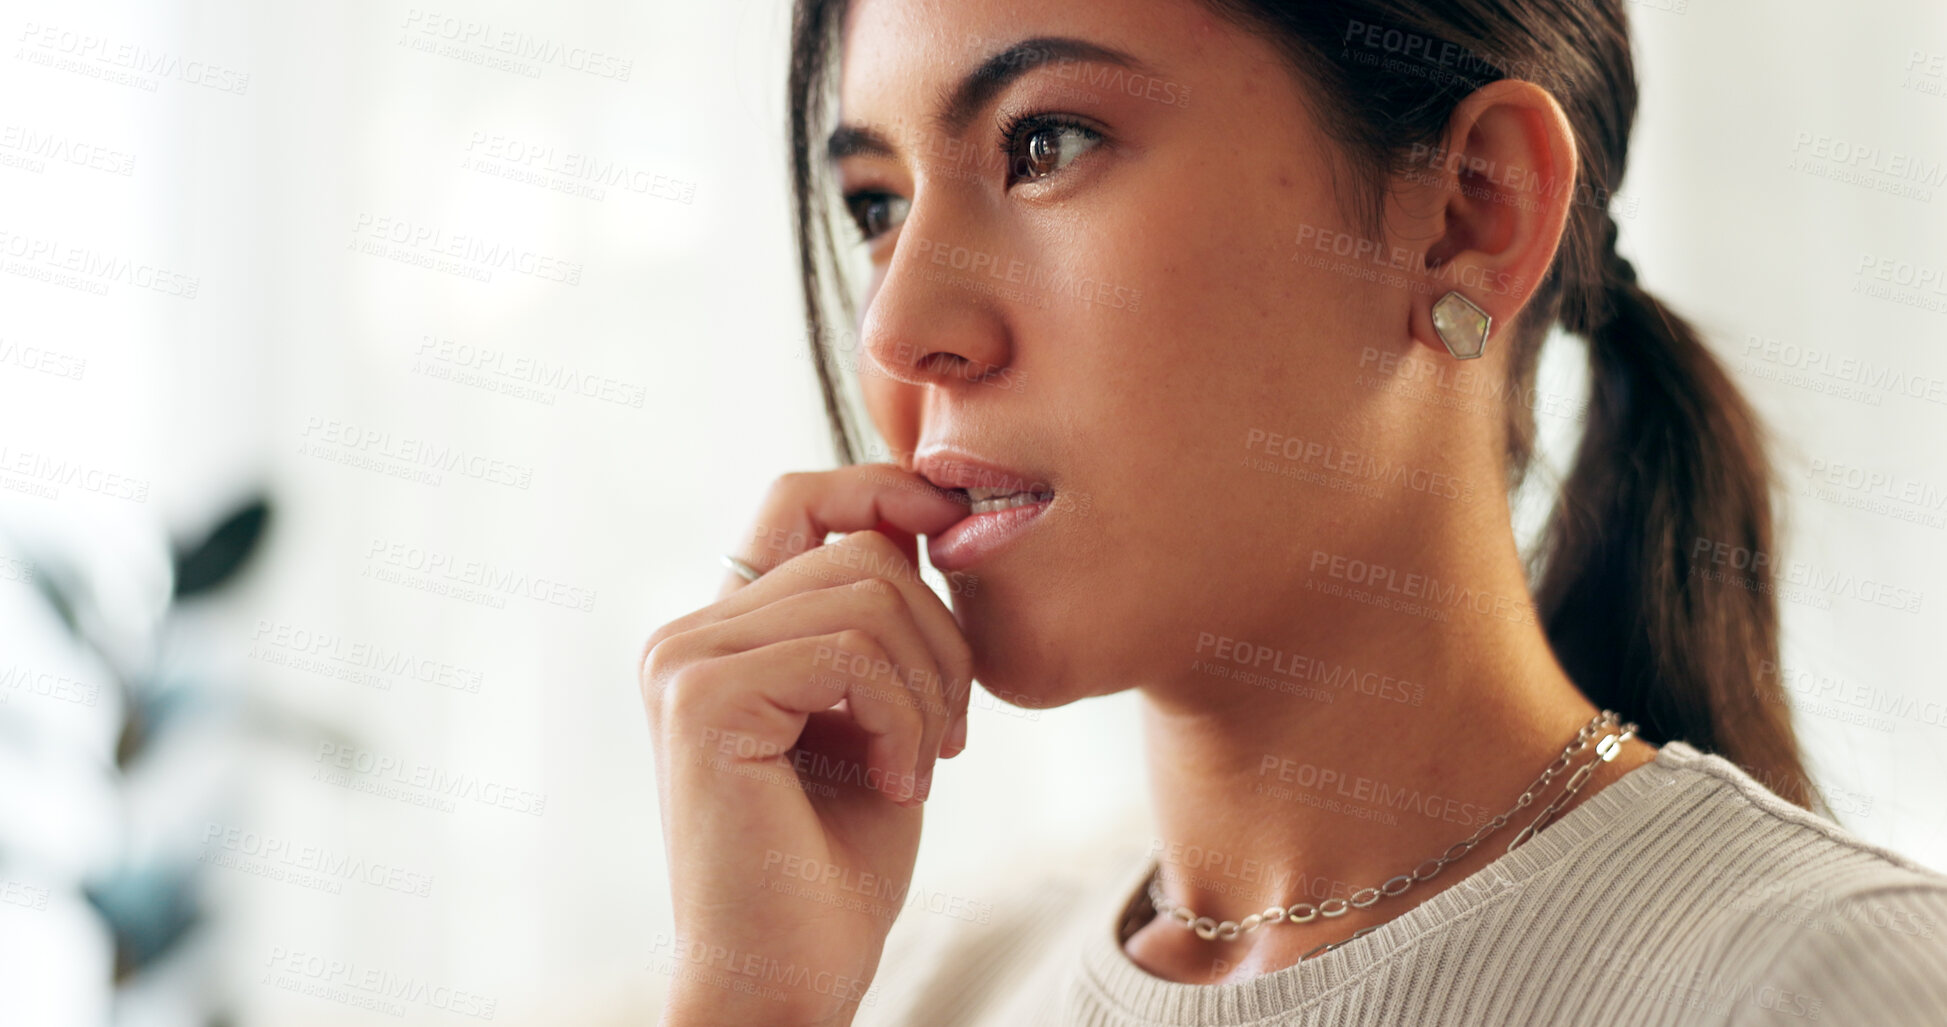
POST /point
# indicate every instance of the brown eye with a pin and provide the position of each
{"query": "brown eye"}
(876, 213)
(1039, 147)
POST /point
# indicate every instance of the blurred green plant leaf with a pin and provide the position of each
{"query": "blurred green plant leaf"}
(148, 910)
(218, 557)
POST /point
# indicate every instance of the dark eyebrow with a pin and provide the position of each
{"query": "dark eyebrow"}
(958, 105)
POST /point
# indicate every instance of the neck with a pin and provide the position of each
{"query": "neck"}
(1362, 748)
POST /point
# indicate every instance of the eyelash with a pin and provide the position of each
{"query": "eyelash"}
(1015, 128)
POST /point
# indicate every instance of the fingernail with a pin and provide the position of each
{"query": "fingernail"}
(956, 736)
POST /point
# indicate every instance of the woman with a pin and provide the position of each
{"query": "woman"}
(1203, 339)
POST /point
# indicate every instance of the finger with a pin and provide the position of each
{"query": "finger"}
(873, 605)
(802, 508)
(762, 698)
(885, 610)
(868, 554)
(956, 738)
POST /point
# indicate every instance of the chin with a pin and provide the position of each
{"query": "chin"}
(1018, 657)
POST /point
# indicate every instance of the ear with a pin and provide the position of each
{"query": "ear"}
(1485, 209)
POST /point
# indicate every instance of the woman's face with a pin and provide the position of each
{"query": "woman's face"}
(1112, 301)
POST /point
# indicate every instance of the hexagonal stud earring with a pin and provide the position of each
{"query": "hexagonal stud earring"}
(1462, 325)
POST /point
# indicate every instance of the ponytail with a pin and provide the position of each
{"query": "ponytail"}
(1672, 468)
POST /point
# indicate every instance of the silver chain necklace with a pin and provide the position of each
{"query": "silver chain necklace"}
(1306, 912)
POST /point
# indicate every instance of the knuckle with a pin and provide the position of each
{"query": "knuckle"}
(877, 553)
(663, 634)
(648, 659)
(883, 595)
(856, 641)
(686, 690)
(663, 653)
(792, 483)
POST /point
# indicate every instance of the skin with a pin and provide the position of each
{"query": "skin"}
(1179, 528)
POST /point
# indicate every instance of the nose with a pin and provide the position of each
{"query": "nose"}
(929, 322)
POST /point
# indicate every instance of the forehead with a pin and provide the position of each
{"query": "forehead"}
(898, 57)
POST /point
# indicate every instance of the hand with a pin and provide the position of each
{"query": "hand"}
(796, 722)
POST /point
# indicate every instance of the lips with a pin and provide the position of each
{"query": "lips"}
(1001, 503)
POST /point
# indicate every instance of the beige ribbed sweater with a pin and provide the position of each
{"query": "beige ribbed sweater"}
(1682, 893)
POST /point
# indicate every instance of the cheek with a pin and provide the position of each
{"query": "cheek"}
(1234, 339)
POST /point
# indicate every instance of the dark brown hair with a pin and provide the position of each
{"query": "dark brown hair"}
(1673, 461)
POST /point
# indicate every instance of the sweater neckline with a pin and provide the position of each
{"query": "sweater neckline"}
(1131, 989)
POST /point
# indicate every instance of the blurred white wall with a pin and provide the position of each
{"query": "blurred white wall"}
(282, 172)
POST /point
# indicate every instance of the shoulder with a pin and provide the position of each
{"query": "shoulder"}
(1788, 913)
(1875, 956)
(1720, 812)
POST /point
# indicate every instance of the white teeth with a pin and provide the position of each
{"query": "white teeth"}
(985, 492)
(1004, 502)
